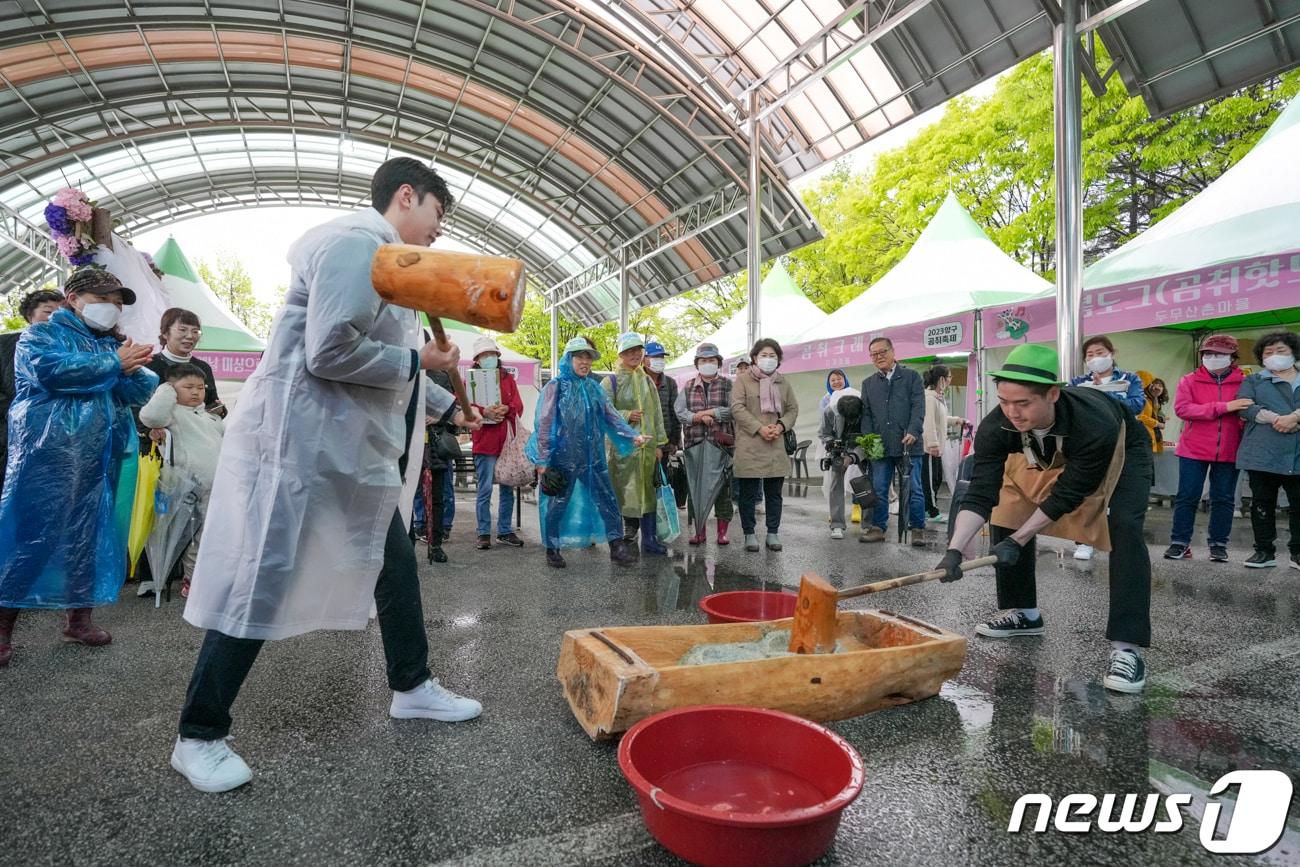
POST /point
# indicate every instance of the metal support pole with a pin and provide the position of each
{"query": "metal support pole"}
(624, 292)
(755, 215)
(1068, 113)
(555, 341)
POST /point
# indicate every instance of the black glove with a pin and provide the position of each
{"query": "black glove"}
(951, 566)
(1007, 551)
(552, 482)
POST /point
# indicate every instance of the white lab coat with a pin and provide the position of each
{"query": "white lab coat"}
(307, 483)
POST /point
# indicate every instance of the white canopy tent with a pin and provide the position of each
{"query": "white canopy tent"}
(952, 268)
(786, 310)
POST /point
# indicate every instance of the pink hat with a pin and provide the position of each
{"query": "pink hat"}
(1220, 343)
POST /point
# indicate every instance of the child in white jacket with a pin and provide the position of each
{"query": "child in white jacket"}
(178, 407)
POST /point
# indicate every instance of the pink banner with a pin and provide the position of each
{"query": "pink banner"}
(231, 365)
(1233, 289)
(950, 335)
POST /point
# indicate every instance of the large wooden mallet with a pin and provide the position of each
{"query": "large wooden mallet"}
(487, 291)
(814, 629)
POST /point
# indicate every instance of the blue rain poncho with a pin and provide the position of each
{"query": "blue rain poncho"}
(70, 429)
(574, 417)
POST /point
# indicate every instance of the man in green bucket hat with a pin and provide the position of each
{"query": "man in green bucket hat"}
(1067, 462)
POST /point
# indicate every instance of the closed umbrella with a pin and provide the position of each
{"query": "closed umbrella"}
(706, 472)
(177, 517)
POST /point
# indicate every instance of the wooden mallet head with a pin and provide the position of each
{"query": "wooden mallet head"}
(814, 627)
(487, 291)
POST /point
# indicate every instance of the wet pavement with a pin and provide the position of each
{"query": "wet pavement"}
(85, 733)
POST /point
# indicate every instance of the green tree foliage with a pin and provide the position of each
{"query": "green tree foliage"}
(230, 281)
(996, 155)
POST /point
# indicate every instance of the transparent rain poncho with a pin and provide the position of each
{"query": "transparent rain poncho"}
(70, 435)
(573, 419)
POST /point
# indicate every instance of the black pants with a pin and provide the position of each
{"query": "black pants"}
(1129, 618)
(931, 480)
(224, 661)
(769, 490)
(1263, 510)
(434, 486)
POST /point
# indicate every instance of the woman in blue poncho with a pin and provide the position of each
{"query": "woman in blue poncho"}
(70, 427)
(574, 416)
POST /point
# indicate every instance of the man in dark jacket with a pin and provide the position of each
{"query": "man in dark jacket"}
(655, 360)
(893, 408)
(37, 306)
(1065, 462)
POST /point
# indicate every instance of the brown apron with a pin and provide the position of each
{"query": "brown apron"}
(1026, 484)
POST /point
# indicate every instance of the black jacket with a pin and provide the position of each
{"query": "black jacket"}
(431, 459)
(667, 402)
(8, 349)
(1089, 421)
(893, 408)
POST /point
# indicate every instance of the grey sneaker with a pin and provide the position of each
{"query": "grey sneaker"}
(1013, 625)
(751, 542)
(1127, 672)
(773, 542)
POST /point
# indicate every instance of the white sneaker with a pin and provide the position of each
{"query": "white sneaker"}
(210, 766)
(145, 588)
(430, 700)
(837, 533)
(1083, 552)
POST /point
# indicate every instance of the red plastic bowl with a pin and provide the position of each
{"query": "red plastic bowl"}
(740, 786)
(744, 606)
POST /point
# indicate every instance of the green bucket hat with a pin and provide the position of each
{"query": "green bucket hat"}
(1031, 362)
(580, 344)
(630, 340)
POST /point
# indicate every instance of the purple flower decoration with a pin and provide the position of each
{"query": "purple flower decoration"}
(57, 218)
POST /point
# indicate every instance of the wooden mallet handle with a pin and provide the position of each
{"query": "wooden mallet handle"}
(918, 578)
(440, 335)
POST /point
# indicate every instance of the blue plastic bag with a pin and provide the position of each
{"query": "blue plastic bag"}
(667, 525)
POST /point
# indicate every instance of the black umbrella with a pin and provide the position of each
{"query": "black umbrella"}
(706, 472)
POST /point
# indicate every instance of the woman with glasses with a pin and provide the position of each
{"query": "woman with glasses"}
(179, 334)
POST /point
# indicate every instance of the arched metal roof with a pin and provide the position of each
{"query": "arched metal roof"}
(568, 144)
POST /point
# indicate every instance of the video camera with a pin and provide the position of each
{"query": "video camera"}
(835, 452)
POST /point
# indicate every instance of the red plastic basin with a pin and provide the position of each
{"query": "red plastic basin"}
(743, 606)
(740, 786)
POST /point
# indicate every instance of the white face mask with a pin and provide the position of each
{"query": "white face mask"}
(767, 363)
(708, 368)
(1216, 362)
(1279, 363)
(1100, 363)
(101, 315)
(657, 365)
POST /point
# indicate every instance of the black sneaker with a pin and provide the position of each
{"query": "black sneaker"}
(1013, 625)
(1260, 560)
(554, 558)
(1218, 554)
(484, 542)
(511, 539)
(1178, 551)
(1127, 673)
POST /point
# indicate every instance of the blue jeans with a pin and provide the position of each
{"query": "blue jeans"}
(1191, 482)
(448, 498)
(417, 512)
(484, 465)
(882, 474)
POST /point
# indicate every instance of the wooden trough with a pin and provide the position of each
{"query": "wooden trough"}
(615, 676)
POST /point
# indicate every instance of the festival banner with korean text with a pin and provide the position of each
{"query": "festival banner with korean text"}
(231, 365)
(1230, 289)
(951, 335)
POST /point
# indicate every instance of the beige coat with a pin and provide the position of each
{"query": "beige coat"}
(755, 457)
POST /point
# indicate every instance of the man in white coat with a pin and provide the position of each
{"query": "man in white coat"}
(304, 528)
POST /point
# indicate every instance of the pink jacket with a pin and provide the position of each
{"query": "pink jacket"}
(1210, 432)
